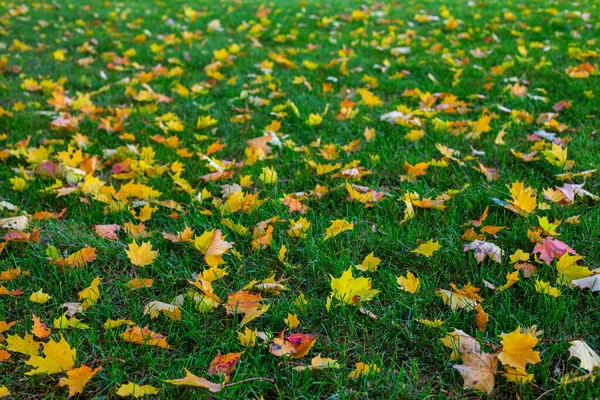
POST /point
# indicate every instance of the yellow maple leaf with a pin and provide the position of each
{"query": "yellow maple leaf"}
(456, 300)
(410, 283)
(298, 229)
(59, 357)
(314, 119)
(434, 324)
(77, 379)
(248, 338)
(145, 213)
(352, 290)
(141, 255)
(414, 135)
(39, 297)
(90, 295)
(511, 279)
(544, 287)
(548, 227)
(135, 390)
(292, 321)
(25, 345)
(427, 249)
(4, 326)
(517, 349)
(72, 157)
(268, 175)
(216, 249)
(568, 270)
(556, 156)
(337, 226)
(519, 255)
(138, 283)
(517, 375)
(155, 307)
(368, 98)
(369, 134)
(196, 381)
(114, 323)
(4, 391)
(523, 199)
(482, 125)
(319, 362)
(214, 273)
(63, 322)
(138, 190)
(205, 122)
(363, 369)
(370, 263)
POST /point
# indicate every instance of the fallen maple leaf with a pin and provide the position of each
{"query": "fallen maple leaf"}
(481, 318)
(193, 380)
(511, 279)
(319, 363)
(135, 390)
(138, 283)
(216, 249)
(456, 300)
(77, 259)
(410, 283)
(59, 357)
(550, 248)
(155, 307)
(39, 297)
(108, 231)
(246, 303)
(363, 369)
(4, 326)
(568, 270)
(517, 349)
(295, 345)
(352, 290)
(337, 226)
(144, 336)
(517, 375)
(370, 263)
(589, 359)
(12, 274)
(39, 329)
(141, 255)
(460, 343)
(90, 295)
(591, 282)
(483, 249)
(77, 379)
(25, 345)
(427, 249)
(224, 364)
(478, 370)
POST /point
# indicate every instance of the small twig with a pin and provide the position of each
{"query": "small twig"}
(448, 394)
(106, 359)
(249, 380)
(559, 340)
(542, 389)
(291, 362)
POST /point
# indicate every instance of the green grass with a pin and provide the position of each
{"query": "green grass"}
(413, 361)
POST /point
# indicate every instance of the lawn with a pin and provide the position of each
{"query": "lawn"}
(299, 199)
